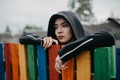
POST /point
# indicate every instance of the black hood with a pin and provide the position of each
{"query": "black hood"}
(73, 21)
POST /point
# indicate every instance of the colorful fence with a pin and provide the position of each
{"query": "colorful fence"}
(32, 62)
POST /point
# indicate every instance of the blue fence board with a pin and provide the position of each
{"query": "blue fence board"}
(42, 65)
(118, 63)
(2, 71)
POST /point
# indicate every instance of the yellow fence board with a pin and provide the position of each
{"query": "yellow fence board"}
(83, 66)
(23, 62)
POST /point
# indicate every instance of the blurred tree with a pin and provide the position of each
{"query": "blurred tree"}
(8, 31)
(83, 8)
(34, 29)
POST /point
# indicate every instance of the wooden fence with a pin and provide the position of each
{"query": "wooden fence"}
(32, 62)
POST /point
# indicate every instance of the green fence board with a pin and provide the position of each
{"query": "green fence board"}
(32, 62)
(102, 63)
(113, 62)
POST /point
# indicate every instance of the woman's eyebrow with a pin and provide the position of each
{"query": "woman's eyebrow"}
(64, 22)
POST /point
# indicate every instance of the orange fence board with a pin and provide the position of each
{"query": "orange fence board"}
(23, 62)
(83, 66)
(15, 61)
(8, 63)
(68, 74)
(52, 53)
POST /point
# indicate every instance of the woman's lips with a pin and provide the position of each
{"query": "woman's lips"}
(60, 37)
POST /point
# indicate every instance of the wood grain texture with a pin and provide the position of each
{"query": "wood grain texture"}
(52, 53)
(68, 74)
(8, 62)
(2, 67)
(15, 61)
(102, 63)
(32, 62)
(23, 62)
(42, 64)
(83, 66)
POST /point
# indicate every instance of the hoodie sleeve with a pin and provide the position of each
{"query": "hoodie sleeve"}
(31, 39)
(101, 39)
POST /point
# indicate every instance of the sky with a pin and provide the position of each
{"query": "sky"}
(18, 13)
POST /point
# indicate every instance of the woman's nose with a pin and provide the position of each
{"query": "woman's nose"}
(60, 29)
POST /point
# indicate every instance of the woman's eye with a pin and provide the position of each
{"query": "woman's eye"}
(65, 25)
(55, 27)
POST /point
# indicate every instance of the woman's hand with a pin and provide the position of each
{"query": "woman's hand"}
(48, 41)
(58, 65)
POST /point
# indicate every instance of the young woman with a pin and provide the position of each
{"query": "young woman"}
(65, 29)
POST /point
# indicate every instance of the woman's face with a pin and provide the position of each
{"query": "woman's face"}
(63, 30)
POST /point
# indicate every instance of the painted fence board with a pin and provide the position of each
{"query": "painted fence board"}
(52, 53)
(42, 64)
(69, 73)
(2, 69)
(8, 63)
(15, 61)
(102, 63)
(117, 63)
(83, 63)
(32, 62)
(113, 62)
(23, 62)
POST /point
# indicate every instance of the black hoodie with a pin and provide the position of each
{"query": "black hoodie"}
(82, 42)
(72, 20)
(90, 42)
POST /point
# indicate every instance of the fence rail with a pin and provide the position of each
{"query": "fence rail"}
(32, 62)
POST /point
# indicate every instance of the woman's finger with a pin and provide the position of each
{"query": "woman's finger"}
(44, 42)
(64, 66)
(50, 42)
(57, 67)
(54, 40)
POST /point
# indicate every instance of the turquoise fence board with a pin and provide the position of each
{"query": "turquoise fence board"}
(117, 63)
(2, 69)
(32, 62)
(102, 63)
(42, 65)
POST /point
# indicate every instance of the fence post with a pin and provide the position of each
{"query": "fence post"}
(15, 61)
(42, 64)
(104, 63)
(2, 69)
(118, 63)
(69, 73)
(23, 62)
(113, 62)
(32, 62)
(52, 54)
(83, 63)
(8, 62)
